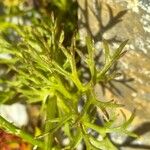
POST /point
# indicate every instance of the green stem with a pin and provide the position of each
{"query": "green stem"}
(10, 128)
(102, 73)
(86, 106)
(51, 109)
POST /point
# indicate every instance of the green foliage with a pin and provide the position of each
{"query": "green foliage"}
(45, 71)
(18, 132)
(28, 11)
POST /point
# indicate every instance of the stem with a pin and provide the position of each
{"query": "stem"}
(101, 74)
(50, 114)
(86, 106)
(12, 129)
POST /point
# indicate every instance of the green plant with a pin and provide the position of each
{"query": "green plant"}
(66, 13)
(45, 72)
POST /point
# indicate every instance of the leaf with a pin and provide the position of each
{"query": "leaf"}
(90, 60)
(118, 51)
(10, 128)
(105, 144)
(61, 38)
(100, 129)
(106, 51)
(77, 139)
(122, 129)
(129, 121)
(113, 59)
(109, 104)
(90, 46)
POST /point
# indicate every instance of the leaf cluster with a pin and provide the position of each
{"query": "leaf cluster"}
(45, 71)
